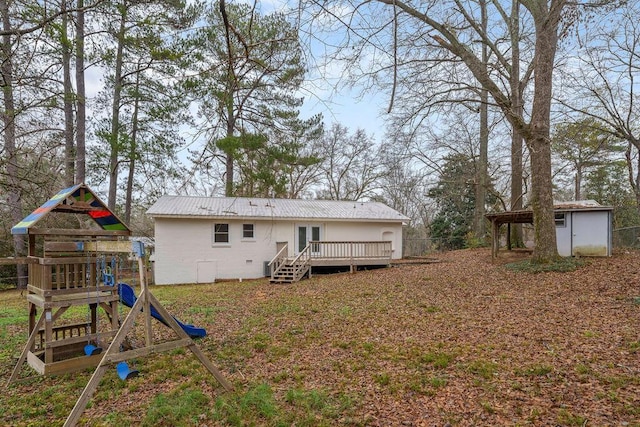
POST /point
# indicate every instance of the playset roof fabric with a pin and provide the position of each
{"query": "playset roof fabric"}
(99, 212)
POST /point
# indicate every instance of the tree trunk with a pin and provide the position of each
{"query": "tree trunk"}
(539, 142)
(69, 155)
(516, 134)
(479, 221)
(228, 192)
(115, 114)
(578, 190)
(14, 192)
(81, 114)
(132, 153)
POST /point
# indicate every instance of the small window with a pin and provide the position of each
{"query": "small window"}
(247, 231)
(221, 233)
(560, 219)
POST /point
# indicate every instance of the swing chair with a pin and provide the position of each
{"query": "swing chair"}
(104, 273)
(123, 369)
(92, 349)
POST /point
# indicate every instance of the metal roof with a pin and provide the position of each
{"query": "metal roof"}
(261, 208)
(525, 216)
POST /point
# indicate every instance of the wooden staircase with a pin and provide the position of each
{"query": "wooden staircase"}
(289, 270)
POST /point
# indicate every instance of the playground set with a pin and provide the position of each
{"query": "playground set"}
(75, 268)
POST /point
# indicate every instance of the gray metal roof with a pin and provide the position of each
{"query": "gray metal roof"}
(260, 208)
(584, 205)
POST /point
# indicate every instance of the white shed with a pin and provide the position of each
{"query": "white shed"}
(201, 239)
(584, 228)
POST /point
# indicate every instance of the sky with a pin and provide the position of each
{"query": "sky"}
(325, 92)
(349, 108)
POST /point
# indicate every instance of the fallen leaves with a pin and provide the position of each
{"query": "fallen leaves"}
(463, 341)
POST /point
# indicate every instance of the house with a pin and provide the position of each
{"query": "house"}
(583, 227)
(202, 239)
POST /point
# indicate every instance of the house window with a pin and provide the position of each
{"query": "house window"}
(560, 219)
(247, 231)
(221, 233)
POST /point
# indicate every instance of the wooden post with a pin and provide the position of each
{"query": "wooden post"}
(27, 348)
(495, 240)
(144, 293)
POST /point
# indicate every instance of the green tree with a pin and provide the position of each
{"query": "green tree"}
(282, 170)
(454, 195)
(583, 145)
(143, 60)
(249, 68)
(607, 184)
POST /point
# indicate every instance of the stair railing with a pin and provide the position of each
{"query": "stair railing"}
(279, 260)
(301, 263)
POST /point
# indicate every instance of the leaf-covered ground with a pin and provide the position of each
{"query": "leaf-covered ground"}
(462, 341)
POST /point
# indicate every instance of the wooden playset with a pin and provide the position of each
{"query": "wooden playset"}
(75, 268)
(66, 267)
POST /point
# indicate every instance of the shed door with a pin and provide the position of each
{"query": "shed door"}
(590, 233)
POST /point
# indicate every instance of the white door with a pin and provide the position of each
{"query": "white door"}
(306, 233)
(590, 233)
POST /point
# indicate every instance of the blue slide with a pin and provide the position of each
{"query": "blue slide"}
(128, 298)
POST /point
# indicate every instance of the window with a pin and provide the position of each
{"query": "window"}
(221, 233)
(247, 231)
(560, 219)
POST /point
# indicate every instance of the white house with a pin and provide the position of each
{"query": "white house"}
(201, 239)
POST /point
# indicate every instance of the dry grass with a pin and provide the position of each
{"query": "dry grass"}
(463, 341)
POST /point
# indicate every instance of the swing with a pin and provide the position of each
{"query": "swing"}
(125, 372)
(92, 349)
(123, 369)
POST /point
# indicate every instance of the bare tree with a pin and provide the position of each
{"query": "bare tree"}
(14, 193)
(67, 98)
(481, 179)
(351, 166)
(452, 28)
(604, 82)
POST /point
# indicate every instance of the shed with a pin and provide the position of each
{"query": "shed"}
(583, 227)
(202, 239)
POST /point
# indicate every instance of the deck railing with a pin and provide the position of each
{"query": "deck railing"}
(350, 250)
(327, 253)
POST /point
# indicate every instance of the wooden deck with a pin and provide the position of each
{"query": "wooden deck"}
(329, 254)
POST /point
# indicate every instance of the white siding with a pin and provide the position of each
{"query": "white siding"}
(563, 235)
(185, 252)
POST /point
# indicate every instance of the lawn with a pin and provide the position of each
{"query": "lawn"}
(462, 341)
